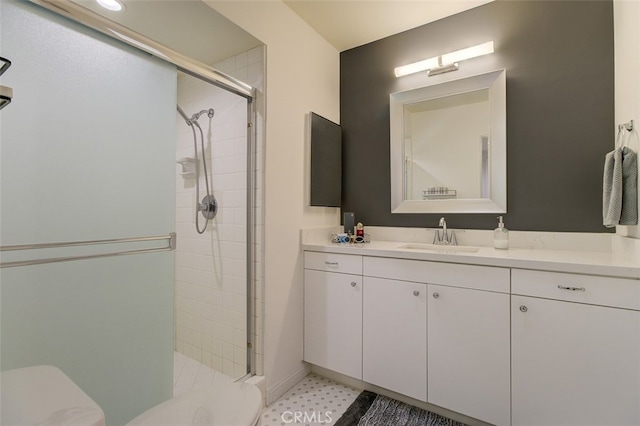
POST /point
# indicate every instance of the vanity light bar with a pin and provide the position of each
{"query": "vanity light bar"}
(446, 62)
(417, 67)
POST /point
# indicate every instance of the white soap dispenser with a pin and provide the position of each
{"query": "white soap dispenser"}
(501, 236)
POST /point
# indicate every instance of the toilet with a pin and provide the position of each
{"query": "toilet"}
(43, 395)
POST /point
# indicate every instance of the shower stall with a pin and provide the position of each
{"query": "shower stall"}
(215, 219)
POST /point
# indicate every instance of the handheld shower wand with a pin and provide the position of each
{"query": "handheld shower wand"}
(208, 206)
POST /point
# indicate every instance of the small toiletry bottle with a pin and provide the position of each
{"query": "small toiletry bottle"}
(501, 236)
(359, 230)
(348, 218)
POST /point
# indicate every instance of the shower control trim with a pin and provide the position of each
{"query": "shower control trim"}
(208, 206)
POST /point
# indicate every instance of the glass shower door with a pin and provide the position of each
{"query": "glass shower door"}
(87, 153)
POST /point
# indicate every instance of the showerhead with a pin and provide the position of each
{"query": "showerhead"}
(210, 112)
(194, 118)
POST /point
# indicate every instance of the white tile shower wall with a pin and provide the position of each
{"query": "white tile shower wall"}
(210, 282)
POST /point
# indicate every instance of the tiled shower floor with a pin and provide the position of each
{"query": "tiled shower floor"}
(190, 374)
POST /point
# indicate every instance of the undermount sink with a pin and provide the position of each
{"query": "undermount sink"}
(439, 248)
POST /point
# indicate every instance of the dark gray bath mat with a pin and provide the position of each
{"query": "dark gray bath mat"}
(371, 409)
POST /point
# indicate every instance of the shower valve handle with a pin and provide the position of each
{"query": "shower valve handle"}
(208, 207)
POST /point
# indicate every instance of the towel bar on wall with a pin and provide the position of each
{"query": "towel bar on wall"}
(171, 240)
(628, 126)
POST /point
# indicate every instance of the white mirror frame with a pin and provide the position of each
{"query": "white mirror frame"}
(495, 81)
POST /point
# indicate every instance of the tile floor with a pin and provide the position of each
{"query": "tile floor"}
(314, 401)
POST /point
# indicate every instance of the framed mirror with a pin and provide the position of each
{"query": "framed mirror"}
(448, 147)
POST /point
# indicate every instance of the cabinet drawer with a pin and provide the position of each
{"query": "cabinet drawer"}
(487, 278)
(395, 269)
(605, 291)
(331, 262)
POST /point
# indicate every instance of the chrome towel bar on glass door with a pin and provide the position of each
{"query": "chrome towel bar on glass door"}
(171, 239)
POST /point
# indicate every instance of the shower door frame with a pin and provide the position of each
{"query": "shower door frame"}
(210, 75)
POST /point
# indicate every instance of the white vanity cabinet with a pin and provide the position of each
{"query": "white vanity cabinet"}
(445, 326)
(506, 344)
(394, 336)
(468, 340)
(333, 312)
(469, 352)
(575, 349)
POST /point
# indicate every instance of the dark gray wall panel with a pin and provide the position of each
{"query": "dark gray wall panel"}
(560, 111)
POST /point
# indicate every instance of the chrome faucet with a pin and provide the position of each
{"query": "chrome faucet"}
(443, 224)
(447, 238)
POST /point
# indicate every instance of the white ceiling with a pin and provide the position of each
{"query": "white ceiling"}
(190, 27)
(196, 30)
(351, 23)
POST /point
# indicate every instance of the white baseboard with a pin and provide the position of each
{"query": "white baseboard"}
(276, 391)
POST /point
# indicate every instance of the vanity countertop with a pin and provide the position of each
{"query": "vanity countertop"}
(614, 262)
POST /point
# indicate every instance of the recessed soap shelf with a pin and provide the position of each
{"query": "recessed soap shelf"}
(188, 167)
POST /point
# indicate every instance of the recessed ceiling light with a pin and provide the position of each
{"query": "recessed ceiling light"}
(113, 5)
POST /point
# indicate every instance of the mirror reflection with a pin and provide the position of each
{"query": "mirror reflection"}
(448, 146)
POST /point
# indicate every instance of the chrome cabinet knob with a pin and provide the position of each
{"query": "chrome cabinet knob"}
(416, 293)
(353, 284)
(523, 308)
(435, 295)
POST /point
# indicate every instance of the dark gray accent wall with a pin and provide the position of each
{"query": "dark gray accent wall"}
(559, 61)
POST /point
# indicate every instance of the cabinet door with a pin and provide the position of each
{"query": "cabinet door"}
(395, 336)
(333, 321)
(468, 364)
(574, 364)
